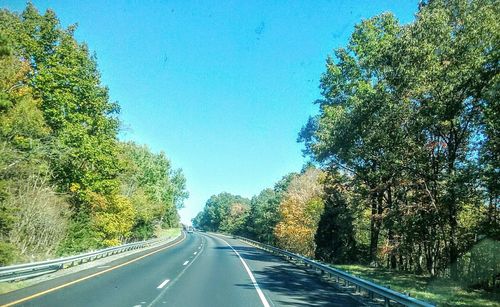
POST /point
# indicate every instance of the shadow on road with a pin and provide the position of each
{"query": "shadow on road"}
(251, 253)
(290, 285)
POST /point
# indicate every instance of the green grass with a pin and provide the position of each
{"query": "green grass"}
(169, 232)
(442, 292)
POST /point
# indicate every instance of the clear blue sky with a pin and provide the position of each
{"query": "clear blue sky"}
(222, 87)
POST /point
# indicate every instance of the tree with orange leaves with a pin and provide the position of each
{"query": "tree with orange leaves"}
(300, 211)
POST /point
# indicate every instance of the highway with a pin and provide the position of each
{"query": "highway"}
(197, 270)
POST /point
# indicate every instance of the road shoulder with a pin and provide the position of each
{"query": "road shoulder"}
(76, 274)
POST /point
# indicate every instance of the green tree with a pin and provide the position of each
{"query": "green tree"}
(223, 212)
(452, 65)
(264, 211)
(32, 217)
(263, 216)
(407, 113)
(59, 126)
(155, 190)
(335, 237)
(359, 128)
(75, 106)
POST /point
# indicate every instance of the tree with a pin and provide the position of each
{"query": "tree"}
(156, 191)
(26, 229)
(42, 218)
(223, 212)
(264, 215)
(360, 127)
(236, 217)
(75, 106)
(335, 237)
(58, 127)
(407, 115)
(451, 66)
(300, 211)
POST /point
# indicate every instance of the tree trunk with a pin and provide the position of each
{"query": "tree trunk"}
(453, 247)
(375, 224)
(392, 255)
(452, 220)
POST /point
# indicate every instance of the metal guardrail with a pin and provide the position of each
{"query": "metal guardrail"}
(372, 289)
(33, 269)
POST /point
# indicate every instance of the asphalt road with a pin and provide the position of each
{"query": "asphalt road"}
(199, 270)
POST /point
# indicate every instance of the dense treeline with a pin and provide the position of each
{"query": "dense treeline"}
(407, 148)
(66, 183)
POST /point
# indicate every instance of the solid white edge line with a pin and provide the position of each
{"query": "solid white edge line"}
(186, 262)
(252, 278)
(163, 284)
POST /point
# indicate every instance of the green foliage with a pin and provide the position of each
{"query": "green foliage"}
(66, 183)
(335, 237)
(223, 212)
(407, 115)
(81, 236)
(263, 216)
(113, 217)
(156, 191)
(235, 220)
(440, 291)
(407, 133)
(25, 229)
(74, 104)
(7, 253)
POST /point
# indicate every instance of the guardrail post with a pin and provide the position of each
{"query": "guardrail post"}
(386, 302)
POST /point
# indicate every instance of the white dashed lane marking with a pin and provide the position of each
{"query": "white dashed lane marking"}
(163, 284)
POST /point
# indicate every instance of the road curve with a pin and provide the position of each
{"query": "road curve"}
(201, 270)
